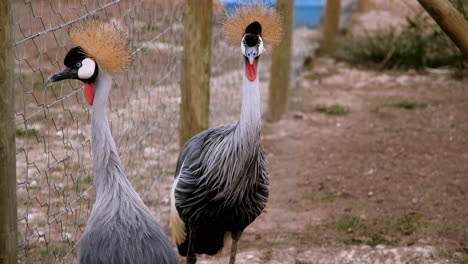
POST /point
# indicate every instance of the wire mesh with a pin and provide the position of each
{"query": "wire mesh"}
(54, 159)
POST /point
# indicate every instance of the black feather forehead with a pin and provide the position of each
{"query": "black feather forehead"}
(254, 28)
(257, 19)
(74, 55)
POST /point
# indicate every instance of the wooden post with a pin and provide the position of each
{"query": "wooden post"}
(364, 6)
(280, 73)
(330, 26)
(8, 220)
(195, 84)
(450, 20)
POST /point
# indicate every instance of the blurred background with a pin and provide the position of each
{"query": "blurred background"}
(366, 126)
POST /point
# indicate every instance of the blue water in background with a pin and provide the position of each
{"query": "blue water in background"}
(307, 13)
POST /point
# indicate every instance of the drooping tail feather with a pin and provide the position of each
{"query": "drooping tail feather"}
(209, 240)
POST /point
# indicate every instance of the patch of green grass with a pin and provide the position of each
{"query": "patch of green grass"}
(79, 137)
(379, 239)
(37, 85)
(380, 231)
(464, 130)
(459, 256)
(403, 104)
(88, 180)
(408, 104)
(26, 133)
(47, 252)
(308, 196)
(40, 85)
(348, 223)
(329, 196)
(317, 76)
(410, 223)
(335, 109)
(55, 86)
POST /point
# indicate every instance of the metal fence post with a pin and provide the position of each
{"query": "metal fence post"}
(280, 73)
(195, 84)
(330, 26)
(8, 219)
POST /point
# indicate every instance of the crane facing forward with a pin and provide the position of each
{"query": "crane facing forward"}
(120, 228)
(221, 179)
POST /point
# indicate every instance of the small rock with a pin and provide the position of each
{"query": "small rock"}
(370, 194)
(414, 200)
(298, 115)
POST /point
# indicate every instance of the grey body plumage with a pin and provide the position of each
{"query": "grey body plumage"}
(120, 228)
(222, 180)
(221, 173)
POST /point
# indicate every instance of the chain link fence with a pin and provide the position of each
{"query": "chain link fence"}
(54, 159)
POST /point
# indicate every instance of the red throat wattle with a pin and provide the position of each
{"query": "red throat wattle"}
(89, 92)
(251, 70)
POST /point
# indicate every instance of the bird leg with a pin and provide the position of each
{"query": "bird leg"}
(191, 256)
(235, 239)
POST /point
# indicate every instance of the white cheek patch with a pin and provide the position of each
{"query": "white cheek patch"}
(261, 48)
(87, 69)
(243, 46)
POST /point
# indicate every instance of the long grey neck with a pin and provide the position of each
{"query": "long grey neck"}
(107, 165)
(250, 117)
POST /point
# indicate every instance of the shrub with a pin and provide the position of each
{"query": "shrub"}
(417, 45)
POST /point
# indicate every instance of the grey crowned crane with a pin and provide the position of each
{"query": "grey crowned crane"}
(221, 180)
(120, 228)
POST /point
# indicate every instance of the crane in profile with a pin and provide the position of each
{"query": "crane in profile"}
(221, 180)
(120, 228)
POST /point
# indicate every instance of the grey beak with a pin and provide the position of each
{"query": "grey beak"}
(67, 73)
(251, 53)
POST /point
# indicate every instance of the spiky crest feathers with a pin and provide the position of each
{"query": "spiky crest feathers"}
(104, 43)
(269, 24)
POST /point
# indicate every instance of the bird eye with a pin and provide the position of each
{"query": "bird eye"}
(78, 64)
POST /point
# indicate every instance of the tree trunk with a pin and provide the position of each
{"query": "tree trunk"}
(195, 84)
(450, 20)
(280, 72)
(8, 222)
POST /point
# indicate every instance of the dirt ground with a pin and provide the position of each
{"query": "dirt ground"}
(380, 184)
(386, 182)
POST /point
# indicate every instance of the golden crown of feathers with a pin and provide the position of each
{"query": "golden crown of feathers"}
(235, 24)
(104, 43)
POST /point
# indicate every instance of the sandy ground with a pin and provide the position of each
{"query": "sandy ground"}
(381, 184)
